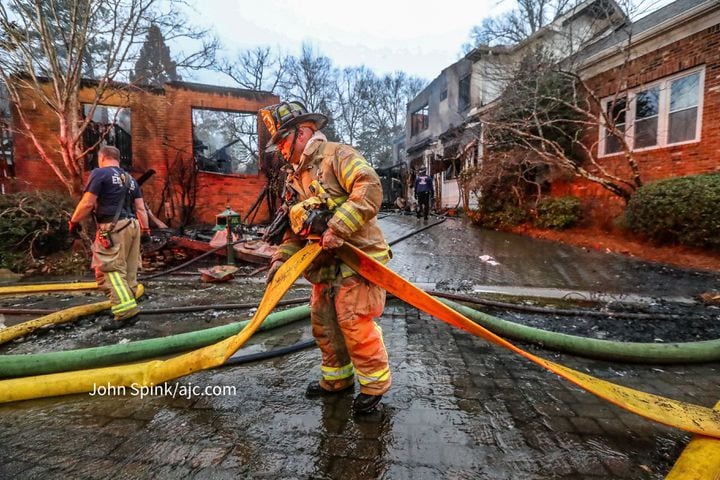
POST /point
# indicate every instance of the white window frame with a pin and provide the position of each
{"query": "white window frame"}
(663, 113)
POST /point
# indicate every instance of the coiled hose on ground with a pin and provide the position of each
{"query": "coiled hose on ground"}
(635, 352)
(666, 353)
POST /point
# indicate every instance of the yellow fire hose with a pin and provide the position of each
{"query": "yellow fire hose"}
(48, 287)
(685, 416)
(62, 316)
(158, 371)
(699, 461)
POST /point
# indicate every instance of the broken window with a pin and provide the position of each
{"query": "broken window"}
(419, 120)
(464, 93)
(109, 126)
(7, 166)
(225, 141)
(453, 167)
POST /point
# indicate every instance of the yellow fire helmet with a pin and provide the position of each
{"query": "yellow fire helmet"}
(282, 117)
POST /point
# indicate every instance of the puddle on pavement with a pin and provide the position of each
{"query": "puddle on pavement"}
(459, 408)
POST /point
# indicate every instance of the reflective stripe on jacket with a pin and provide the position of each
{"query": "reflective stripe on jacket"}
(351, 183)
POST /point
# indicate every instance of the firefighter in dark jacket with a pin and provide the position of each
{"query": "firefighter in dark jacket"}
(334, 178)
(423, 192)
(115, 199)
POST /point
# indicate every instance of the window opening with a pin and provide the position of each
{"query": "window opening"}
(419, 120)
(225, 141)
(109, 126)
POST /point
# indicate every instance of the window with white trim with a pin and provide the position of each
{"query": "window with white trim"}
(664, 113)
(616, 111)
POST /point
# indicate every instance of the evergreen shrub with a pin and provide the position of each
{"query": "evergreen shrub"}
(558, 212)
(32, 224)
(682, 210)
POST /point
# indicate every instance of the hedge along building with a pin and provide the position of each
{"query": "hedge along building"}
(203, 142)
(660, 80)
(444, 131)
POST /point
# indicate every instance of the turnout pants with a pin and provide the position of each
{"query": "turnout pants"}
(342, 318)
(116, 267)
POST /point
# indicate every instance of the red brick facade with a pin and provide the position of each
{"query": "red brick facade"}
(701, 49)
(161, 137)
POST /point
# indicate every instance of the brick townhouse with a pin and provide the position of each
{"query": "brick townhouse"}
(669, 74)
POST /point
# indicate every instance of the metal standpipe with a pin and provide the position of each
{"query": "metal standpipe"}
(229, 246)
(226, 220)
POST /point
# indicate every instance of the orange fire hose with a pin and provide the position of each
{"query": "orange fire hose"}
(685, 416)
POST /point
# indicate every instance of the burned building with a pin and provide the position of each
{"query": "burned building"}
(202, 142)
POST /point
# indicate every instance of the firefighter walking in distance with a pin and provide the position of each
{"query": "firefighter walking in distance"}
(423, 192)
(333, 192)
(114, 198)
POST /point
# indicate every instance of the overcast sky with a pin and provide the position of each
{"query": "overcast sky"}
(418, 37)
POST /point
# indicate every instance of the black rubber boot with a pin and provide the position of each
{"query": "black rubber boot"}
(118, 324)
(365, 403)
(314, 390)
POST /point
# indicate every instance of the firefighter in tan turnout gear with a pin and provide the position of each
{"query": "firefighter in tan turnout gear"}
(333, 191)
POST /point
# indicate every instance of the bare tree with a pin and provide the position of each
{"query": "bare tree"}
(362, 108)
(551, 117)
(514, 26)
(46, 47)
(311, 79)
(257, 69)
(547, 119)
(387, 99)
(354, 86)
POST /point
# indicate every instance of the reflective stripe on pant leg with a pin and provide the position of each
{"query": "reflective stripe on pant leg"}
(366, 378)
(112, 264)
(127, 300)
(357, 303)
(331, 374)
(329, 337)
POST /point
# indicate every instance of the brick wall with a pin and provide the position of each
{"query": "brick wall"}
(161, 136)
(700, 49)
(215, 190)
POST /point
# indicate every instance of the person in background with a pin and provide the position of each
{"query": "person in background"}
(114, 198)
(423, 192)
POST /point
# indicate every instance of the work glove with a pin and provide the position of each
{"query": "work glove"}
(145, 237)
(330, 240)
(273, 270)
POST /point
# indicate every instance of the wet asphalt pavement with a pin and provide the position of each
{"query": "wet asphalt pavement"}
(459, 407)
